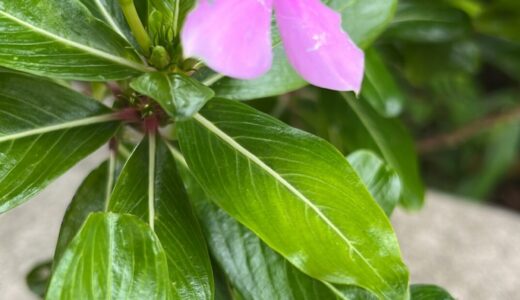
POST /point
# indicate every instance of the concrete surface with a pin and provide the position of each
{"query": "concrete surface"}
(473, 251)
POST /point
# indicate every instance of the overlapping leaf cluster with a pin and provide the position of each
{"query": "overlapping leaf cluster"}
(458, 63)
(217, 200)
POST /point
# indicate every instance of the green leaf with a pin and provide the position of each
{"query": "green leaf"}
(428, 292)
(297, 193)
(109, 11)
(45, 129)
(381, 180)
(280, 79)
(379, 86)
(430, 22)
(150, 188)
(180, 96)
(62, 39)
(363, 20)
(112, 257)
(90, 197)
(253, 269)
(389, 139)
(38, 278)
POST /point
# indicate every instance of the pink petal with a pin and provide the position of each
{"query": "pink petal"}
(233, 37)
(317, 46)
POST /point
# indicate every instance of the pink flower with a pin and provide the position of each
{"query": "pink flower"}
(233, 37)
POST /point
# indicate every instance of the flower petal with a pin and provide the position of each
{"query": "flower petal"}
(233, 37)
(317, 46)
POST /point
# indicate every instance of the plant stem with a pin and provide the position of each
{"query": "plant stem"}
(466, 132)
(151, 178)
(136, 25)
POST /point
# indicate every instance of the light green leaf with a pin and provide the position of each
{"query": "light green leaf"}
(388, 138)
(44, 130)
(379, 86)
(254, 270)
(297, 193)
(363, 20)
(112, 257)
(381, 180)
(428, 292)
(180, 96)
(150, 188)
(62, 39)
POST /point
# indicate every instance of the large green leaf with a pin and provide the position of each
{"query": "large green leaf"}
(297, 193)
(112, 257)
(388, 138)
(90, 197)
(363, 20)
(180, 96)
(253, 269)
(381, 180)
(62, 39)
(150, 187)
(44, 130)
(428, 292)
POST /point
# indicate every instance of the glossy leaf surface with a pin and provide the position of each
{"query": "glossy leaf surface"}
(90, 197)
(297, 193)
(110, 13)
(180, 96)
(363, 20)
(44, 130)
(381, 180)
(165, 206)
(253, 269)
(62, 39)
(112, 257)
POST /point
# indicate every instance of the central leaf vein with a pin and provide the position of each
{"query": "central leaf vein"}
(253, 158)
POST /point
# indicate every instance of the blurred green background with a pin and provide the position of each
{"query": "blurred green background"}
(450, 71)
